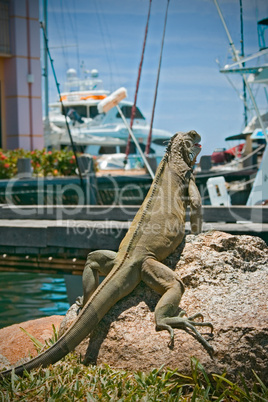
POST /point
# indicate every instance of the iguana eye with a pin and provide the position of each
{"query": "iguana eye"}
(188, 144)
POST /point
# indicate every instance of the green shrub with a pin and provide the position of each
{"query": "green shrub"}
(44, 163)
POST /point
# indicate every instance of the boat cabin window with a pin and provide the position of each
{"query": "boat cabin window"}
(126, 110)
(79, 109)
(133, 149)
(101, 149)
(93, 111)
(107, 150)
(143, 148)
(82, 111)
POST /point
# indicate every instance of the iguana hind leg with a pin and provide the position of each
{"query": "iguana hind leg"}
(165, 282)
(98, 262)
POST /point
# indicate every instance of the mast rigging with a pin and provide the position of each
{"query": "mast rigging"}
(147, 150)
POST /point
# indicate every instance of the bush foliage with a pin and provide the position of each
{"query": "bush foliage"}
(44, 163)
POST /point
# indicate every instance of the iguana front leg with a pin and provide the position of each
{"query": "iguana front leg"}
(195, 207)
(164, 281)
(99, 262)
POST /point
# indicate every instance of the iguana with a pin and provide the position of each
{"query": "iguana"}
(156, 231)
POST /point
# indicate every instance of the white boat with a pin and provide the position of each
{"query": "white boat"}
(102, 135)
(252, 156)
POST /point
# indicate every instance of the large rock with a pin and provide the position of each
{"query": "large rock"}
(226, 280)
(16, 346)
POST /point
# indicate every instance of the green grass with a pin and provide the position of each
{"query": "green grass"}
(70, 380)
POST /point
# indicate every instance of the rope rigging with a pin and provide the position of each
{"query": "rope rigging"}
(62, 105)
(147, 150)
(133, 110)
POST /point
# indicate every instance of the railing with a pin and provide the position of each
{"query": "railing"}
(231, 214)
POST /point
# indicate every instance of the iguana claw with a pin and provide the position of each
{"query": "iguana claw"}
(79, 303)
(169, 323)
(182, 313)
(201, 324)
(197, 315)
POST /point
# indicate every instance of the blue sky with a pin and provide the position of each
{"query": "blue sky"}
(108, 35)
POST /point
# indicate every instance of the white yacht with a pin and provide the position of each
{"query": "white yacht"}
(102, 135)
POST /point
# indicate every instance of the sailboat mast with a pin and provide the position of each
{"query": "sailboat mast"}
(237, 58)
(45, 57)
(243, 64)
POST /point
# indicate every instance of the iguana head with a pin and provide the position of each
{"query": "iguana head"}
(185, 146)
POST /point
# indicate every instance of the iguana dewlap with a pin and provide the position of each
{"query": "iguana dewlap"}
(156, 231)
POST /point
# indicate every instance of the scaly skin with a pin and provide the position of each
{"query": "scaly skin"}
(156, 231)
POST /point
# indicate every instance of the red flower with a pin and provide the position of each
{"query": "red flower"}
(6, 165)
(3, 157)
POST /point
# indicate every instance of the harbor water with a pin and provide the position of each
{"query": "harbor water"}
(26, 296)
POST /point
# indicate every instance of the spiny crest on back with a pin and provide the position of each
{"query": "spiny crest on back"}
(168, 149)
(179, 138)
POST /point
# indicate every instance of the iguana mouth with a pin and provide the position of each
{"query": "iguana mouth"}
(195, 151)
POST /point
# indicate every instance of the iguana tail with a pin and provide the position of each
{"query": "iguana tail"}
(95, 309)
(76, 333)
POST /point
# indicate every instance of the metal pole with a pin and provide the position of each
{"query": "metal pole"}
(45, 61)
(136, 143)
(63, 108)
(147, 151)
(243, 64)
(133, 110)
(237, 58)
(251, 57)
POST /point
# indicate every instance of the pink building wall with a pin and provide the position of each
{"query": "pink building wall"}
(22, 72)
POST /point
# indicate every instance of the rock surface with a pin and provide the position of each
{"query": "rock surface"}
(226, 280)
(16, 346)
